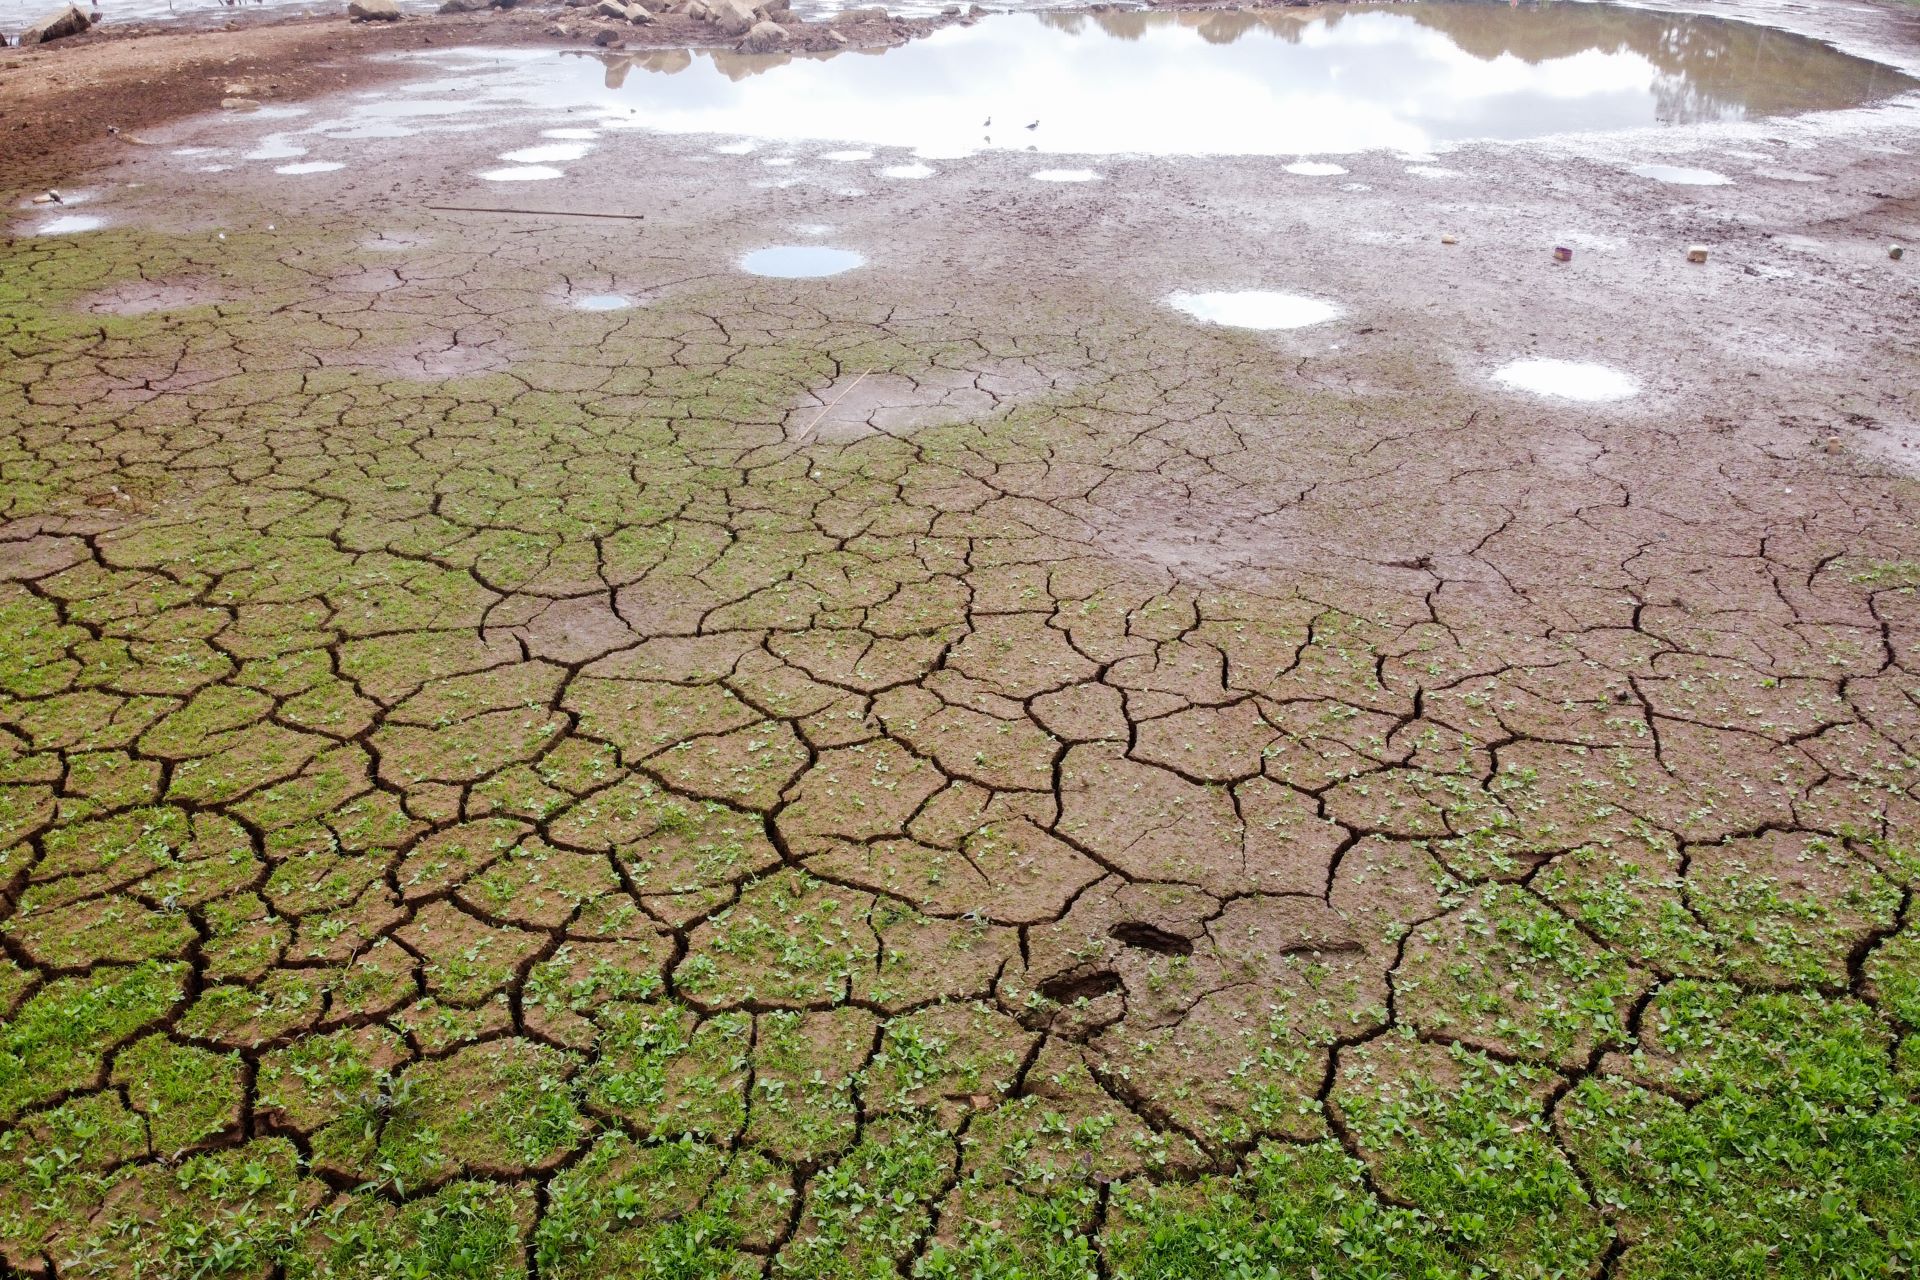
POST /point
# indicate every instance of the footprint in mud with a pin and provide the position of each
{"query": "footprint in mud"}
(1142, 936)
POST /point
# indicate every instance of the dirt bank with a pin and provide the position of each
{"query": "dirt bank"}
(60, 103)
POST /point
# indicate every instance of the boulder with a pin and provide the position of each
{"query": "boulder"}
(638, 14)
(463, 6)
(734, 17)
(765, 37)
(373, 10)
(57, 26)
(611, 9)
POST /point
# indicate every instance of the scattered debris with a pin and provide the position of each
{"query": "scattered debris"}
(50, 196)
(1449, 239)
(1561, 253)
(1696, 253)
(765, 37)
(733, 17)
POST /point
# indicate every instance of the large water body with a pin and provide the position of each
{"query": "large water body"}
(1322, 81)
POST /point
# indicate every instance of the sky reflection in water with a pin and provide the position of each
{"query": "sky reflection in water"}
(1288, 82)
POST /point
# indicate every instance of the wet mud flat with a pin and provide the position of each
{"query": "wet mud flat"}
(611, 662)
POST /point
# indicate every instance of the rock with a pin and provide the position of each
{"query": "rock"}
(699, 12)
(462, 6)
(733, 17)
(373, 10)
(56, 26)
(606, 37)
(611, 9)
(639, 15)
(765, 37)
(239, 104)
(836, 39)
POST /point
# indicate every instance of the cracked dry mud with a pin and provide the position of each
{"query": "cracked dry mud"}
(892, 775)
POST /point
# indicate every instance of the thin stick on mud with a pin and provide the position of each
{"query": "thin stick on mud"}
(827, 408)
(540, 213)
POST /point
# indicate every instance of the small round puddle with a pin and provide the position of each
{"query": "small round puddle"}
(1066, 175)
(1315, 169)
(1681, 175)
(70, 224)
(1254, 309)
(800, 261)
(275, 147)
(602, 302)
(550, 153)
(522, 173)
(1568, 380)
(310, 166)
(906, 171)
(570, 134)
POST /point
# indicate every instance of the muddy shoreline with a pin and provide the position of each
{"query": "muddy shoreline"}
(55, 121)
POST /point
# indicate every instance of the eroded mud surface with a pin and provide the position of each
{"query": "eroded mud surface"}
(958, 768)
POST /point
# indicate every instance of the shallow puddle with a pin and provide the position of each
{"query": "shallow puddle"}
(522, 173)
(1254, 309)
(309, 166)
(1680, 175)
(1315, 169)
(1066, 175)
(602, 302)
(1567, 380)
(800, 261)
(69, 224)
(1332, 80)
(549, 153)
